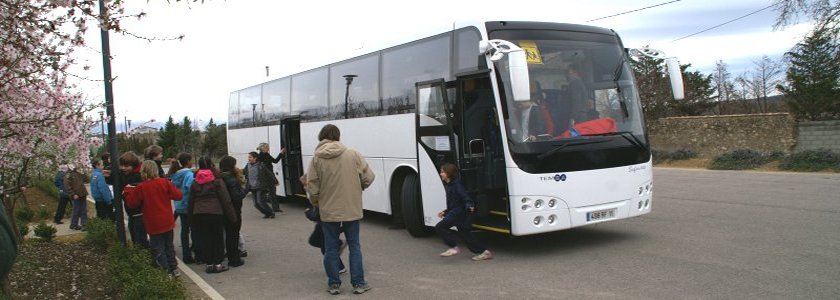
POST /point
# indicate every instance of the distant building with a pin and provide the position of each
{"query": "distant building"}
(144, 130)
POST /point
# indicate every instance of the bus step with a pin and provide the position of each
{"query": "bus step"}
(493, 222)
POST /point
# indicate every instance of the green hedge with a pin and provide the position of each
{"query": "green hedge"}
(740, 159)
(811, 160)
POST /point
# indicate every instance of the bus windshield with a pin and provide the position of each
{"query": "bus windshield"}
(581, 90)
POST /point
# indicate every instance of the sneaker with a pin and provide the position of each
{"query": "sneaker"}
(216, 268)
(333, 289)
(342, 271)
(278, 210)
(210, 269)
(483, 256)
(175, 274)
(243, 253)
(360, 288)
(451, 251)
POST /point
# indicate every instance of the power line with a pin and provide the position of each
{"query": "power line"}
(727, 22)
(635, 10)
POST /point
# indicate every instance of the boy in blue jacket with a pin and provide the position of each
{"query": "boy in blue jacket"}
(101, 193)
(183, 180)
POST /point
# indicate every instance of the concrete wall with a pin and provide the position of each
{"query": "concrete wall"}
(710, 136)
(819, 134)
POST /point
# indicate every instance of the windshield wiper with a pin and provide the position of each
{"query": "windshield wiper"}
(561, 147)
(629, 136)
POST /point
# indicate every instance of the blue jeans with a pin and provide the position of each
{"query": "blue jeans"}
(79, 212)
(332, 244)
(163, 250)
(260, 202)
(186, 251)
(463, 222)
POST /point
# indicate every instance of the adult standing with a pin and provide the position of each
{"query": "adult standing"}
(74, 184)
(63, 199)
(268, 161)
(335, 180)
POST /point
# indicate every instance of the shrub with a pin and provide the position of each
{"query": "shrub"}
(739, 159)
(683, 154)
(44, 231)
(811, 160)
(23, 229)
(135, 278)
(43, 213)
(101, 233)
(775, 155)
(24, 214)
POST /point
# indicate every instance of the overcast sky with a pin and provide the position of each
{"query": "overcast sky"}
(228, 44)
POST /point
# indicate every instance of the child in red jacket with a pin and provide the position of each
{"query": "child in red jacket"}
(153, 196)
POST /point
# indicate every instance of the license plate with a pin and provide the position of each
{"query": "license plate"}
(600, 215)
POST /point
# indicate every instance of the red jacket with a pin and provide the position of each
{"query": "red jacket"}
(153, 197)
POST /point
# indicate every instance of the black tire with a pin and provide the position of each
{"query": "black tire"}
(412, 209)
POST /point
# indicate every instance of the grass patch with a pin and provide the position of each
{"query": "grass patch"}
(100, 233)
(47, 186)
(132, 274)
(811, 161)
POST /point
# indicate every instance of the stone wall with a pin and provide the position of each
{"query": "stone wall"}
(710, 136)
(819, 134)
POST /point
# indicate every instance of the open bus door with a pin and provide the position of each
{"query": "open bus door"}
(434, 138)
(293, 160)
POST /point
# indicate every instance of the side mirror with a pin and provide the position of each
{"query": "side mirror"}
(675, 74)
(517, 65)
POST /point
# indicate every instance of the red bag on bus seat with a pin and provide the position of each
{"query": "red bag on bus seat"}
(603, 125)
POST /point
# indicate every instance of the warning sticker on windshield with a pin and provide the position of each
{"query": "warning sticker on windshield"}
(532, 52)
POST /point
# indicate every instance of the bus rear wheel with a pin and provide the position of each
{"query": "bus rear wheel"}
(412, 209)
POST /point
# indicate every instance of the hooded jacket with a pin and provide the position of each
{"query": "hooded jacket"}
(209, 196)
(335, 179)
(183, 180)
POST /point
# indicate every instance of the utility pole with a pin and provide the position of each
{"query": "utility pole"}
(112, 126)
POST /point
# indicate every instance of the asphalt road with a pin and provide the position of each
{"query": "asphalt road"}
(712, 234)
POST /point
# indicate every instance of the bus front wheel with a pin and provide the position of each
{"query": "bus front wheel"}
(412, 209)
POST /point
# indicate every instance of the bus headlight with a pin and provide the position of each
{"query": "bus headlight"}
(551, 219)
(525, 207)
(538, 220)
(538, 204)
(525, 200)
(552, 203)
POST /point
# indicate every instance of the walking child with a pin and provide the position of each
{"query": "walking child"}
(259, 181)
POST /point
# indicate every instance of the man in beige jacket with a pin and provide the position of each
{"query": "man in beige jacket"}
(335, 180)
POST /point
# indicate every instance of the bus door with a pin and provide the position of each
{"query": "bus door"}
(434, 131)
(293, 160)
(481, 153)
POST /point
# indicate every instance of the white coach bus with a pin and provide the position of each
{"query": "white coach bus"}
(543, 119)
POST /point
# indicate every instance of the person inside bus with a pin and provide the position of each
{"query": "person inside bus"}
(458, 213)
(541, 125)
(581, 104)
